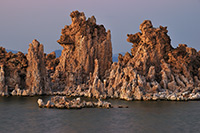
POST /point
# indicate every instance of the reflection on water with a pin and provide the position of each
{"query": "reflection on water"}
(21, 114)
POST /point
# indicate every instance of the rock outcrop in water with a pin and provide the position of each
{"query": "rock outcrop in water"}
(84, 42)
(62, 102)
(154, 70)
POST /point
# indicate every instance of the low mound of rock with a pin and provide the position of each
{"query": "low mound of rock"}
(62, 102)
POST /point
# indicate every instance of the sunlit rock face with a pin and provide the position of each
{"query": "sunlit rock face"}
(83, 41)
(154, 66)
(154, 70)
(2, 79)
(36, 77)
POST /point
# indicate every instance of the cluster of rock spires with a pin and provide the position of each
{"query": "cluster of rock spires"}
(84, 42)
(154, 70)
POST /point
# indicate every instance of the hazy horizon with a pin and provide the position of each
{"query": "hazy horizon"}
(25, 20)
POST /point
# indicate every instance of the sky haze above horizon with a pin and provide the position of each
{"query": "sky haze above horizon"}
(25, 20)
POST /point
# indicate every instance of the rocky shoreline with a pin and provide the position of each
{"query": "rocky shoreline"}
(160, 96)
(154, 70)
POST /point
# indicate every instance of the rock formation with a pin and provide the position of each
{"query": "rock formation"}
(154, 70)
(13, 69)
(61, 102)
(2, 79)
(83, 42)
(51, 62)
(36, 78)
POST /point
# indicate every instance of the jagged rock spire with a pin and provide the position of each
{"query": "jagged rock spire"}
(83, 42)
(36, 77)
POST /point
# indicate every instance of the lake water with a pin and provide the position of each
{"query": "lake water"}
(21, 114)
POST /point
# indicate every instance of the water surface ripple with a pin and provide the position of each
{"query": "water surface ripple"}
(21, 114)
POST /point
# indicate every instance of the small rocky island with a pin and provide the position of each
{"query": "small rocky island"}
(154, 70)
(62, 102)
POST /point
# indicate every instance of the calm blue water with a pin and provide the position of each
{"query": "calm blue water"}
(21, 114)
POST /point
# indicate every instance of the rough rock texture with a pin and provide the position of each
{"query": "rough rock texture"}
(83, 42)
(154, 68)
(51, 62)
(13, 67)
(37, 80)
(2, 79)
(62, 102)
(40, 103)
(153, 71)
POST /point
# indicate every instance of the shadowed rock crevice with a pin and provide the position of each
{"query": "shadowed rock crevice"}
(13, 70)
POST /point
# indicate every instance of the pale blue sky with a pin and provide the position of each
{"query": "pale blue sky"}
(21, 21)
